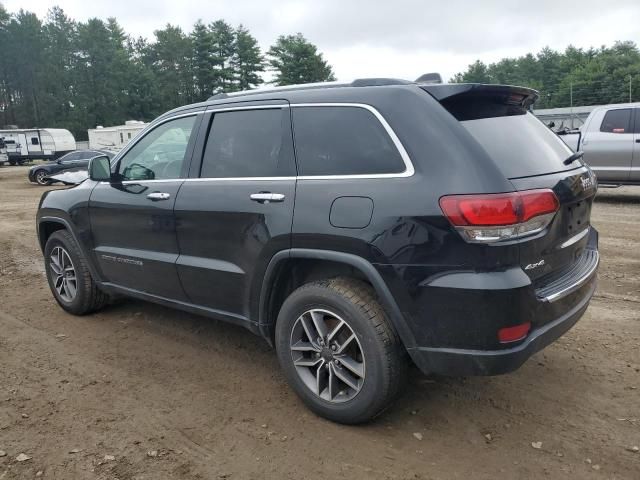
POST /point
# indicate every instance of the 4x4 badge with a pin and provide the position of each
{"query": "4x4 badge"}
(531, 266)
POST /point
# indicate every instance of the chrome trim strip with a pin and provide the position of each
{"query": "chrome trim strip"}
(575, 238)
(273, 106)
(237, 179)
(572, 288)
(409, 169)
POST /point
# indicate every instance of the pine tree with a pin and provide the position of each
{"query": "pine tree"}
(295, 60)
(222, 51)
(247, 61)
(203, 60)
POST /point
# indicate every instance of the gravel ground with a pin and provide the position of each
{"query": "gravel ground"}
(139, 391)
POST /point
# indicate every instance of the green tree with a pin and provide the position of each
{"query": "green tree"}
(60, 35)
(171, 56)
(247, 61)
(295, 60)
(222, 50)
(204, 61)
(25, 56)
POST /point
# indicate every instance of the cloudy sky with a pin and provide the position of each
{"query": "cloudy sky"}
(399, 38)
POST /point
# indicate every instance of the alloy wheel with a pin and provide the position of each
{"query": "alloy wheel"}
(64, 274)
(40, 177)
(327, 355)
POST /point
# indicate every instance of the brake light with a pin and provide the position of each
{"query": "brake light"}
(500, 216)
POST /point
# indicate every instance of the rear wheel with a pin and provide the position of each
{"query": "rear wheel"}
(69, 276)
(338, 350)
(40, 177)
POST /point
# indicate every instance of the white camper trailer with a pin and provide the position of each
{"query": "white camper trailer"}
(114, 138)
(36, 143)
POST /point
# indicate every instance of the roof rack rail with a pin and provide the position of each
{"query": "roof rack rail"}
(359, 82)
(218, 96)
(282, 88)
(378, 82)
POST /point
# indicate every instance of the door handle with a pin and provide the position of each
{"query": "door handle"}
(637, 140)
(156, 196)
(266, 197)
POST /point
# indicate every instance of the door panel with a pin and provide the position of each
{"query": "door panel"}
(635, 164)
(226, 237)
(132, 221)
(609, 148)
(134, 236)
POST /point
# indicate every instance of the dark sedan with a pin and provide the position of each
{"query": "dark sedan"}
(78, 160)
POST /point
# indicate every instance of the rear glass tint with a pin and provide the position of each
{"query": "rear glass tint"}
(617, 121)
(521, 145)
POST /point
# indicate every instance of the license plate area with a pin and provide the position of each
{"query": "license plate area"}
(577, 217)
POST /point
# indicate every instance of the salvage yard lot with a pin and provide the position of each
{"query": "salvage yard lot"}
(163, 394)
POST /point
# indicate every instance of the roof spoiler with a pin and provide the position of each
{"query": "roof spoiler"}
(513, 95)
(473, 101)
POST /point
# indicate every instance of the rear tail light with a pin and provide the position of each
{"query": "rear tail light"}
(514, 334)
(493, 217)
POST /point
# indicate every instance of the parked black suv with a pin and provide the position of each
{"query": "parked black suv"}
(353, 226)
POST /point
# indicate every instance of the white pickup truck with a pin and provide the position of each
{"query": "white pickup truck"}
(610, 140)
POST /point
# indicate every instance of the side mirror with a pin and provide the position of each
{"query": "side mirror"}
(100, 169)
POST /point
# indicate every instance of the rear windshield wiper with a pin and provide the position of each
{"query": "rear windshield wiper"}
(573, 157)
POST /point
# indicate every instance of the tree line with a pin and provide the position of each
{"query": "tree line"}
(58, 72)
(575, 76)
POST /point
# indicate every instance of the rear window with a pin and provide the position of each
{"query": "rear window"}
(521, 145)
(617, 121)
(343, 140)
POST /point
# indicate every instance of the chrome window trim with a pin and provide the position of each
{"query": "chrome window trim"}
(408, 172)
(272, 106)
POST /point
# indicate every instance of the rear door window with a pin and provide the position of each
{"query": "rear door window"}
(617, 121)
(249, 143)
(343, 140)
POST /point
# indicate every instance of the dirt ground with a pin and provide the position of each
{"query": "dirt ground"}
(139, 391)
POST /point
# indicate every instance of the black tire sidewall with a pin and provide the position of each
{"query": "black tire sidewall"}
(367, 402)
(62, 239)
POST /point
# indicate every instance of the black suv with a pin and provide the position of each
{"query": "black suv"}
(353, 226)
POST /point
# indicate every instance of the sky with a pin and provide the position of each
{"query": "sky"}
(399, 38)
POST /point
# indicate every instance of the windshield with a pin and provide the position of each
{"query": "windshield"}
(521, 145)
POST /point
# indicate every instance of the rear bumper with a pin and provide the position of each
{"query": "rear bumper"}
(463, 362)
(455, 318)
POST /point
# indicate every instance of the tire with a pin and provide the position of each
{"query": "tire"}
(82, 296)
(39, 177)
(12, 163)
(382, 360)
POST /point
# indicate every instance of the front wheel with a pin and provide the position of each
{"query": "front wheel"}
(338, 351)
(69, 277)
(41, 177)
